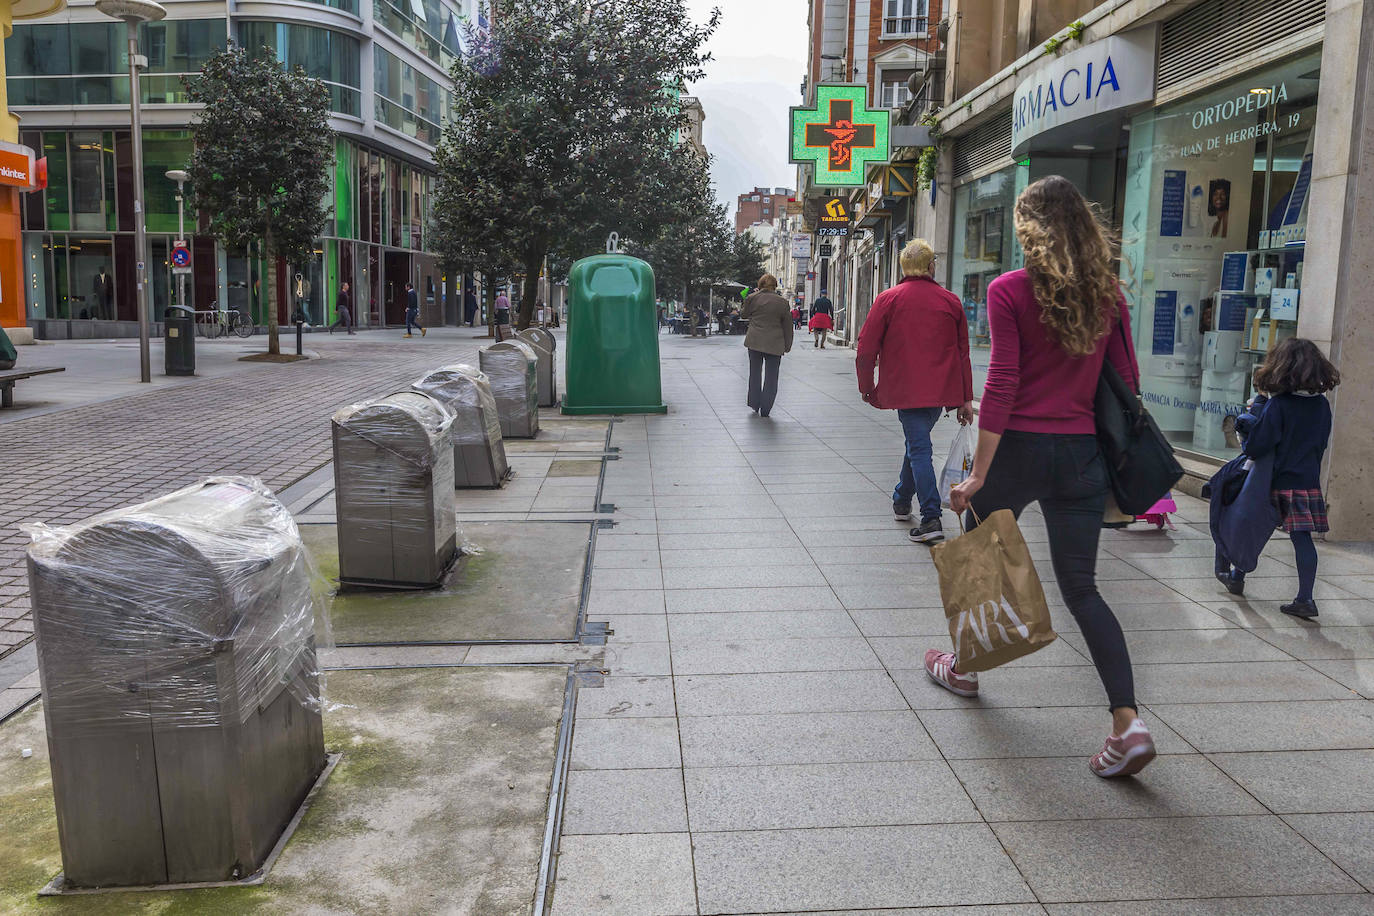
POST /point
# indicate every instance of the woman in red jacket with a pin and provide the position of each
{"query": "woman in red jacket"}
(916, 336)
(1053, 324)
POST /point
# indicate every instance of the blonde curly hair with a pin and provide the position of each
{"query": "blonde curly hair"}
(1069, 259)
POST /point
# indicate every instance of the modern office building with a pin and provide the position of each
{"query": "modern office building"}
(386, 64)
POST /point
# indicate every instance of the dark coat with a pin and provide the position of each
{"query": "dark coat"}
(1242, 515)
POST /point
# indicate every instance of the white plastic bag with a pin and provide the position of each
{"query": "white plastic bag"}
(959, 464)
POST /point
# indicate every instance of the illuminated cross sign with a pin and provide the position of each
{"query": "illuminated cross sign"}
(840, 136)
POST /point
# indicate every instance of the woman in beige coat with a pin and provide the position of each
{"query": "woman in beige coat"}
(769, 337)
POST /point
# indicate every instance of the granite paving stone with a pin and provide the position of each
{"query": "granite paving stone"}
(1305, 781)
(826, 795)
(635, 875)
(626, 697)
(1150, 858)
(1272, 726)
(625, 801)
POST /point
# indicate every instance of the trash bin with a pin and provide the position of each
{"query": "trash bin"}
(545, 346)
(176, 652)
(393, 489)
(612, 361)
(513, 368)
(479, 453)
(179, 340)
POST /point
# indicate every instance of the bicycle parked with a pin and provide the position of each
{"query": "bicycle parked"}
(216, 321)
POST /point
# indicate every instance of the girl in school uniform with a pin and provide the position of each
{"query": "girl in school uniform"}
(1294, 425)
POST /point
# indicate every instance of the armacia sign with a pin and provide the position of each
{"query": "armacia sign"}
(1116, 72)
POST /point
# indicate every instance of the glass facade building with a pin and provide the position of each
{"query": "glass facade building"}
(389, 95)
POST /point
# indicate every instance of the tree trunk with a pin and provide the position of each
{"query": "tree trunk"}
(270, 279)
(534, 262)
(489, 293)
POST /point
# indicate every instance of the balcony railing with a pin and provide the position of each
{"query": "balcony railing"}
(905, 26)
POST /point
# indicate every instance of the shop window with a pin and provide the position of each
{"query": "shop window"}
(1214, 236)
(983, 248)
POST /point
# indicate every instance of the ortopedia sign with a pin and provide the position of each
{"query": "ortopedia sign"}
(801, 246)
(1116, 72)
(841, 136)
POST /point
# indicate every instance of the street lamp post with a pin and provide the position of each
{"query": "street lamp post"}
(180, 177)
(133, 12)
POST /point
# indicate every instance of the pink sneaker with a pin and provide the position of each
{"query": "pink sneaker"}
(1125, 754)
(940, 667)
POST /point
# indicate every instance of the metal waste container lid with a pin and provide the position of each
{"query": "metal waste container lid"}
(540, 338)
(519, 345)
(411, 424)
(453, 383)
(179, 311)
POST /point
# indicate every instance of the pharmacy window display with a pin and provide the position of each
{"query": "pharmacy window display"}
(1213, 238)
(984, 244)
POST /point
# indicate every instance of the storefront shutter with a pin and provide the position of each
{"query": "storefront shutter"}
(1218, 31)
(983, 146)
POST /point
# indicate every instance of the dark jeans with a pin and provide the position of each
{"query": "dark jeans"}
(344, 320)
(763, 380)
(1067, 476)
(413, 318)
(917, 477)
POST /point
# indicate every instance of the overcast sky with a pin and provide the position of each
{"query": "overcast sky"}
(760, 60)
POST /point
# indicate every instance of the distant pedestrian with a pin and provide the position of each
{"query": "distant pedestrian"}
(796, 318)
(412, 311)
(1053, 324)
(822, 319)
(343, 308)
(469, 306)
(768, 338)
(1293, 425)
(917, 337)
(502, 308)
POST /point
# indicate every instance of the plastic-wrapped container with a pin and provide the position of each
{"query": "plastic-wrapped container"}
(513, 368)
(545, 346)
(176, 649)
(479, 453)
(393, 489)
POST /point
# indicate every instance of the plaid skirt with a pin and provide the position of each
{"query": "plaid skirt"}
(1302, 510)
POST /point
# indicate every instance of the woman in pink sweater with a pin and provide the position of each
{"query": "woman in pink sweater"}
(1052, 325)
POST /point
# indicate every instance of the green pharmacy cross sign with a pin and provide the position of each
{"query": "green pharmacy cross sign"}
(841, 137)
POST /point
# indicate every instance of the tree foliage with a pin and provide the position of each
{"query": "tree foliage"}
(263, 149)
(563, 128)
(748, 264)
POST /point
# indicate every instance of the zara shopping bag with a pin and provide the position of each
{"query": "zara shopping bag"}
(993, 600)
(959, 464)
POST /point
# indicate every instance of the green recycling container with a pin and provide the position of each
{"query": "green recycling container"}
(612, 349)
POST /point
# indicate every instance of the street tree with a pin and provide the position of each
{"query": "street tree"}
(748, 259)
(263, 149)
(564, 123)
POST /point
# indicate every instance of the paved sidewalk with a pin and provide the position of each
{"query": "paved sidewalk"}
(272, 421)
(768, 743)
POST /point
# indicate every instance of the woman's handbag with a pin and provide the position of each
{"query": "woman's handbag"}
(993, 599)
(1140, 461)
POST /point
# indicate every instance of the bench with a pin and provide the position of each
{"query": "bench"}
(9, 376)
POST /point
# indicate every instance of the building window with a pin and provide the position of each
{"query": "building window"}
(895, 91)
(328, 56)
(905, 18)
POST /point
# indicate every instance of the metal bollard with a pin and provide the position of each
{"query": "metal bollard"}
(299, 325)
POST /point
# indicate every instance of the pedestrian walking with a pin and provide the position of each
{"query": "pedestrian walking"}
(916, 335)
(412, 311)
(822, 319)
(502, 308)
(470, 306)
(1291, 420)
(1053, 324)
(796, 318)
(343, 308)
(768, 338)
